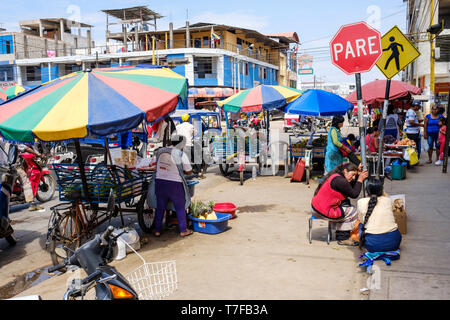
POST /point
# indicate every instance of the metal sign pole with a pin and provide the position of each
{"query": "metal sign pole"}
(362, 132)
(447, 139)
(383, 127)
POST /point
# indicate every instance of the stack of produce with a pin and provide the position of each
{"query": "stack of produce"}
(203, 211)
(406, 142)
(320, 142)
(301, 144)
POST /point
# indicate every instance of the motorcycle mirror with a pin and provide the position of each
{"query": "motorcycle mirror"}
(111, 201)
(12, 154)
(61, 252)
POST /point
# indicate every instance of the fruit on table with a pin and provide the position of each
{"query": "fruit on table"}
(405, 142)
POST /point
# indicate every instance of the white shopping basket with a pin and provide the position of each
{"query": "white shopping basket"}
(153, 281)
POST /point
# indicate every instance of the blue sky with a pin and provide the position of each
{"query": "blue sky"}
(314, 21)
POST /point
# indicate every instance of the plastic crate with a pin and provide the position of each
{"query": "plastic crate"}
(211, 226)
(100, 180)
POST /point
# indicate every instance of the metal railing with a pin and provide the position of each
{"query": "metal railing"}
(38, 52)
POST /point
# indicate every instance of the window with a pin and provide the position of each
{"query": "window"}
(264, 73)
(203, 67)
(33, 74)
(197, 43)
(8, 47)
(6, 74)
(239, 44)
(246, 69)
(206, 41)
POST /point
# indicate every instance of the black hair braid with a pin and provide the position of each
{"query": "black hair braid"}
(372, 203)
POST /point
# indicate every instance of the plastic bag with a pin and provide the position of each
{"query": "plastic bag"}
(413, 158)
(425, 146)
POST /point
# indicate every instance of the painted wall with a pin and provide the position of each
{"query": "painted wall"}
(180, 69)
(45, 77)
(4, 40)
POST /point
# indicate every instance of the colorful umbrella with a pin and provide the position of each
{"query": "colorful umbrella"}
(260, 98)
(98, 102)
(375, 91)
(11, 92)
(316, 102)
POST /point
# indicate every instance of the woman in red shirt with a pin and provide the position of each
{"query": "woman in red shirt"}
(372, 139)
(331, 199)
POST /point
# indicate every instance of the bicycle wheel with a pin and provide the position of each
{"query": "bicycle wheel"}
(145, 215)
(66, 236)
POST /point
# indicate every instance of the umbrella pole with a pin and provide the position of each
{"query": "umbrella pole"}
(113, 167)
(82, 171)
(362, 133)
(382, 128)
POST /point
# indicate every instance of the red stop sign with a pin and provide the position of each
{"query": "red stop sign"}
(356, 48)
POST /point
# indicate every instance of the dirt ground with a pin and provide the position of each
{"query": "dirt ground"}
(265, 253)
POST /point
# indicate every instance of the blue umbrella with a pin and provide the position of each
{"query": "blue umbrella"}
(316, 102)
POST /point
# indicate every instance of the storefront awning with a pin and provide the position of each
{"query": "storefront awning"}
(210, 92)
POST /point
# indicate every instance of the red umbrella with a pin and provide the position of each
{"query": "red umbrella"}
(374, 91)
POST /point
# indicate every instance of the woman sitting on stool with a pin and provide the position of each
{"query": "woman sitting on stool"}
(331, 199)
(378, 230)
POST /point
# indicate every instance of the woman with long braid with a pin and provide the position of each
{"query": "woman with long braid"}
(378, 230)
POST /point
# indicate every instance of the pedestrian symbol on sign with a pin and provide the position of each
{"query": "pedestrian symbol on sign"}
(398, 52)
(395, 53)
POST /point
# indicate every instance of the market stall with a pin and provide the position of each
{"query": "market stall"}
(316, 103)
(96, 102)
(237, 145)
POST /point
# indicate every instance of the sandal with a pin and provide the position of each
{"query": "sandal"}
(187, 233)
(157, 234)
(429, 161)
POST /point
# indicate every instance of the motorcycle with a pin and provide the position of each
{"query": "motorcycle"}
(300, 127)
(8, 174)
(43, 184)
(94, 257)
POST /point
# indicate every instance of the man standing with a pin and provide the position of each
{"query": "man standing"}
(413, 125)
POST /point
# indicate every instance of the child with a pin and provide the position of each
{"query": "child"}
(349, 142)
(441, 140)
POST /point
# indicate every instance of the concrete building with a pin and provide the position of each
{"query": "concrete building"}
(420, 15)
(38, 42)
(288, 57)
(220, 58)
(342, 89)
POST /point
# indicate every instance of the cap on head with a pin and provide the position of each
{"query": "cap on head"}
(185, 117)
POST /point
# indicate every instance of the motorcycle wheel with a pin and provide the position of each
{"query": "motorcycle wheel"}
(241, 177)
(66, 234)
(307, 175)
(145, 215)
(46, 189)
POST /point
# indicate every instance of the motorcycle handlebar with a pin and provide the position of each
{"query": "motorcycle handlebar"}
(106, 235)
(57, 267)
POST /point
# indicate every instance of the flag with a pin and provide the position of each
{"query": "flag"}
(214, 38)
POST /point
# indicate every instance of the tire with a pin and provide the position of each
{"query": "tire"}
(46, 191)
(307, 175)
(310, 230)
(224, 168)
(241, 177)
(67, 233)
(145, 216)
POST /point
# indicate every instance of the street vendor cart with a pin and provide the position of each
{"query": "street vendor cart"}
(99, 102)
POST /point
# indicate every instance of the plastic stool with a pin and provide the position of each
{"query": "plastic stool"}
(329, 235)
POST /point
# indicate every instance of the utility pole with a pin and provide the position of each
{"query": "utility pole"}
(431, 51)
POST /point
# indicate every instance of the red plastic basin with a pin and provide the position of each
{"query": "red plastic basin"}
(226, 207)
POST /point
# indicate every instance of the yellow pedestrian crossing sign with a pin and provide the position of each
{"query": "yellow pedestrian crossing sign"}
(398, 52)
